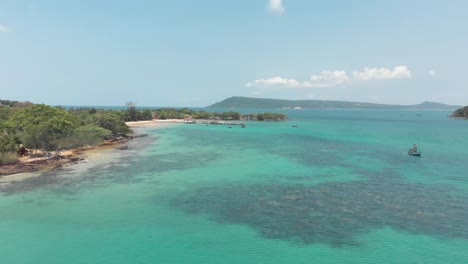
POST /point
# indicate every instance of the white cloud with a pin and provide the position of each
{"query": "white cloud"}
(324, 79)
(276, 6)
(274, 81)
(4, 29)
(334, 78)
(382, 73)
(328, 79)
(432, 73)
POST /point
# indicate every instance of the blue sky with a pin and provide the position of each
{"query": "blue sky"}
(194, 53)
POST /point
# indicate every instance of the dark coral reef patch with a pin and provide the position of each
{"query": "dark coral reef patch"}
(334, 213)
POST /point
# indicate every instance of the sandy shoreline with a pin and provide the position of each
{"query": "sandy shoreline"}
(160, 123)
(28, 165)
(38, 165)
(154, 123)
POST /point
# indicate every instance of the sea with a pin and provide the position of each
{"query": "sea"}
(325, 186)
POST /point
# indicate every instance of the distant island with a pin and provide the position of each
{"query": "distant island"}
(263, 103)
(460, 113)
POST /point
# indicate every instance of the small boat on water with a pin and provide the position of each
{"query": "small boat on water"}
(414, 151)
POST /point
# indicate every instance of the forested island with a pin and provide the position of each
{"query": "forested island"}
(263, 103)
(53, 129)
(461, 113)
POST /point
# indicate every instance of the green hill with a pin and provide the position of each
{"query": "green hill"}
(263, 103)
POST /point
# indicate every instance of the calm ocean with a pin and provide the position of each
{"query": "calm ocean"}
(338, 188)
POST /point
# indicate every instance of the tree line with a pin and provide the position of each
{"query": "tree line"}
(179, 113)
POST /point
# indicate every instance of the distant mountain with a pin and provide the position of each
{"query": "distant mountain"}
(262, 103)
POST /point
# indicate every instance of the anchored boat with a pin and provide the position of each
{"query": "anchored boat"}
(414, 151)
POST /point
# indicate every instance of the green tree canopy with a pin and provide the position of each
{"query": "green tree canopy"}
(84, 135)
(38, 126)
(112, 122)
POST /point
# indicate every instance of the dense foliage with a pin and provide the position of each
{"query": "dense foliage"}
(8, 139)
(54, 128)
(270, 116)
(41, 126)
(8, 143)
(461, 113)
(133, 114)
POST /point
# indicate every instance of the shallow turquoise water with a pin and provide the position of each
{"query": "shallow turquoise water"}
(338, 188)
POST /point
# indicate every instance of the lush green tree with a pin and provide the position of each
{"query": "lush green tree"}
(260, 117)
(185, 112)
(39, 126)
(131, 111)
(146, 114)
(84, 135)
(8, 144)
(92, 111)
(171, 113)
(112, 122)
(231, 115)
(5, 113)
(202, 115)
(92, 131)
(268, 116)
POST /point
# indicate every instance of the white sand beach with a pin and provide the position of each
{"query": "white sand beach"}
(154, 122)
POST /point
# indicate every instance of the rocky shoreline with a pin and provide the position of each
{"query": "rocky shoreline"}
(63, 159)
